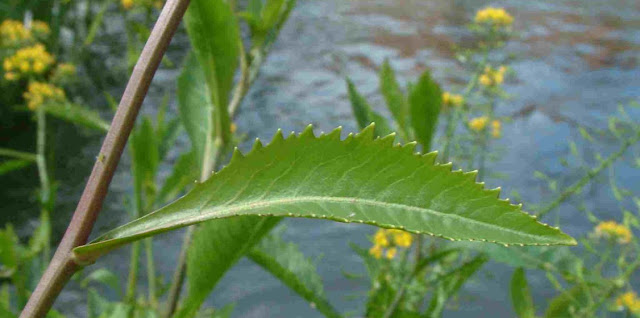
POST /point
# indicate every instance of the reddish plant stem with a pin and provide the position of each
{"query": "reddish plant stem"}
(62, 265)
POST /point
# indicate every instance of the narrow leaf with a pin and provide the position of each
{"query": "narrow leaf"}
(213, 29)
(184, 173)
(363, 112)
(425, 100)
(195, 107)
(359, 179)
(286, 262)
(11, 165)
(451, 283)
(396, 101)
(216, 246)
(77, 114)
(521, 295)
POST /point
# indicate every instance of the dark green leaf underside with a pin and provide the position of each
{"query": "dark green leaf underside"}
(359, 179)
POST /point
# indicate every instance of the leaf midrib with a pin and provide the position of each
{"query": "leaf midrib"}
(230, 210)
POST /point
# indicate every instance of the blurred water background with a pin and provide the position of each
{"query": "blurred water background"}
(575, 62)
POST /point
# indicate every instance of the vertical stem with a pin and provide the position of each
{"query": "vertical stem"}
(45, 183)
(151, 272)
(63, 265)
(485, 140)
(130, 296)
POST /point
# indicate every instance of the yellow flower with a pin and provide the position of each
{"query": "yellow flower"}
(629, 300)
(496, 128)
(13, 33)
(401, 238)
(39, 93)
(10, 76)
(380, 238)
(29, 60)
(7, 65)
(376, 251)
(611, 229)
(492, 77)
(233, 128)
(478, 124)
(449, 99)
(126, 4)
(495, 17)
(391, 253)
(41, 29)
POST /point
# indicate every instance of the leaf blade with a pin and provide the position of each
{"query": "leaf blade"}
(425, 100)
(358, 179)
(521, 295)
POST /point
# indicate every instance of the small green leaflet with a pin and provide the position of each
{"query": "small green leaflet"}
(359, 179)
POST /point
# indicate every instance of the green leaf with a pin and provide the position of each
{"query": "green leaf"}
(286, 262)
(569, 303)
(103, 276)
(195, 107)
(425, 100)
(77, 114)
(521, 295)
(9, 257)
(215, 247)
(359, 179)
(217, 55)
(393, 95)
(363, 112)
(145, 156)
(11, 165)
(451, 283)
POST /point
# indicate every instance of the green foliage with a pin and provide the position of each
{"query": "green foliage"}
(77, 114)
(364, 114)
(195, 107)
(395, 98)
(216, 246)
(324, 177)
(14, 164)
(425, 100)
(285, 261)
(451, 283)
(217, 55)
(521, 295)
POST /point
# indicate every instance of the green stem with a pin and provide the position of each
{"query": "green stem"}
(18, 154)
(453, 113)
(45, 184)
(130, 296)
(485, 141)
(574, 188)
(151, 272)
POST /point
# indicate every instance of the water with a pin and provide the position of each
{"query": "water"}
(575, 61)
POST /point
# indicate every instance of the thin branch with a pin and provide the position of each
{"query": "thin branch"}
(62, 265)
(18, 154)
(574, 188)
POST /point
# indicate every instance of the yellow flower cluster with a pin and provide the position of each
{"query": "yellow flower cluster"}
(30, 60)
(389, 240)
(449, 99)
(478, 124)
(39, 93)
(611, 229)
(13, 33)
(497, 17)
(630, 301)
(129, 4)
(492, 77)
